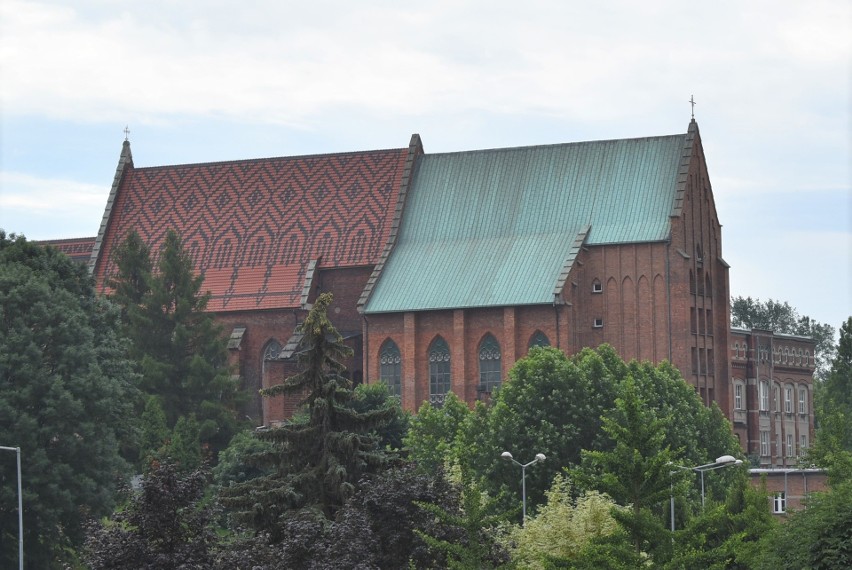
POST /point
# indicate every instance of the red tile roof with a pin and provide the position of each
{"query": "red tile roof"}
(78, 249)
(252, 226)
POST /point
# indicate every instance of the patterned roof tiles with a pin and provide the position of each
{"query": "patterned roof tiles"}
(252, 226)
(78, 249)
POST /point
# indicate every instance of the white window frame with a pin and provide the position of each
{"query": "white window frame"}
(779, 503)
(788, 399)
(764, 444)
(738, 396)
(803, 443)
(598, 324)
(597, 286)
(803, 407)
(791, 445)
(763, 388)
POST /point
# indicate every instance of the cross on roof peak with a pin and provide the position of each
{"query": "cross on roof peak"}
(692, 102)
(126, 133)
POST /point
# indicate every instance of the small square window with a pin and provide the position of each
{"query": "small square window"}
(598, 323)
(597, 287)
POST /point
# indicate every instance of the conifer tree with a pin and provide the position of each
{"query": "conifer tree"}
(179, 348)
(319, 458)
(636, 472)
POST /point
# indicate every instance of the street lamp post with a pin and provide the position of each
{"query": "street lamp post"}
(538, 457)
(723, 461)
(17, 450)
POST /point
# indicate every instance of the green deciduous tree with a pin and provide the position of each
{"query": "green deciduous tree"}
(66, 396)
(782, 318)
(433, 432)
(317, 460)
(552, 404)
(818, 537)
(563, 527)
(179, 348)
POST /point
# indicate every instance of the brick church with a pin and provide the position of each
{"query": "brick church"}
(446, 268)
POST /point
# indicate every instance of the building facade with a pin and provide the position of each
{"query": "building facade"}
(446, 268)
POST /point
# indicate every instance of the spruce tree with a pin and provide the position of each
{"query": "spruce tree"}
(178, 347)
(318, 458)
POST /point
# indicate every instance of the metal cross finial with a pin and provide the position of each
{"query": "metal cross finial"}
(692, 102)
(126, 132)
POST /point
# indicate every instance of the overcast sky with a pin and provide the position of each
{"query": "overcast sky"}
(202, 81)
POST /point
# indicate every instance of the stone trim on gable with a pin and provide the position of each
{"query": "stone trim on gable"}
(124, 160)
(415, 149)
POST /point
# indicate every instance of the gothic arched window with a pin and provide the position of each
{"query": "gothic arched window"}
(538, 339)
(489, 364)
(390, 367)
(439, 371)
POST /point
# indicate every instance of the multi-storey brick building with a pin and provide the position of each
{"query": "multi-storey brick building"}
(772, 382)
(446, 268)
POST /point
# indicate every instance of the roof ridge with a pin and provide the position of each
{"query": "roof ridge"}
(553, 145)
(271, 158)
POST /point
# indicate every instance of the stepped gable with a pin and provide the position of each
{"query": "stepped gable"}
(252, 226)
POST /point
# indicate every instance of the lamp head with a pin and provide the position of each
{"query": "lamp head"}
(726, 459)
(506, 455)
(540, 457)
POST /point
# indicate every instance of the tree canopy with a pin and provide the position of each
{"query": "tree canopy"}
(66, 396)
(178, 347)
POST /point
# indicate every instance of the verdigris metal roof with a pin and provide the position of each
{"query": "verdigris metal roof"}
(495, 227)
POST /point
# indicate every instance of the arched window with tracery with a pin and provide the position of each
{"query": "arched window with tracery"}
(390, 367)
(489, 364)
(439, 371)
(538, 339)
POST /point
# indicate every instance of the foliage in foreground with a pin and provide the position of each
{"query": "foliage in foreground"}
(563, 527)
(66, 390)
(317, 461)
(177, 345)
(162, 527)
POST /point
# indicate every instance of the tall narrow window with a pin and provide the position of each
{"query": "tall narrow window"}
(803, 400)
(764, 396)
(764, 444)
(803, 444)
(439, 371)
(390, 367)
(489, 364)
(738, 396)
(779, 503)
(788, 400)
(776, 400)
(538, 339)
(791, 446)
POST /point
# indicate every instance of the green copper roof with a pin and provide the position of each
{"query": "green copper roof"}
(496, 227)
